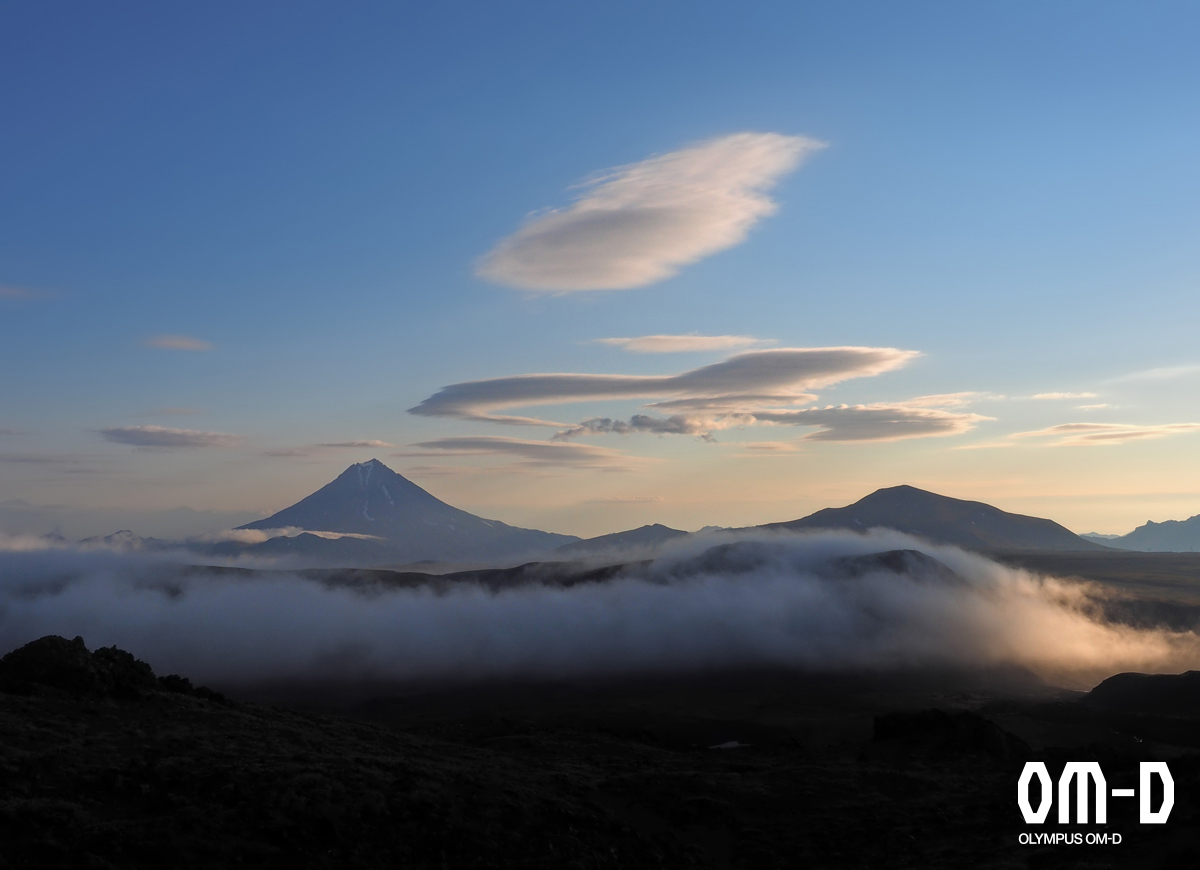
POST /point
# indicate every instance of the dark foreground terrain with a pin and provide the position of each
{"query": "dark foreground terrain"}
(102, 765)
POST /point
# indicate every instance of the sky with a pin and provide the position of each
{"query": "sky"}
(582, 267)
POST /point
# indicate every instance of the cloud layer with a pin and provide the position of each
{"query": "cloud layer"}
(772, 601)
(782, 376)
(878, 422)
(371, 443)
(1164, 373)
(641, 223)
(177, 342)
(538, 453)
(684, 343)
(15, 294)
(1097, 434)
(166, 437)
(324, 447)
(752, 388)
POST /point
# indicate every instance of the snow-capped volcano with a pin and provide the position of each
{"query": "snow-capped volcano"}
(370, 499)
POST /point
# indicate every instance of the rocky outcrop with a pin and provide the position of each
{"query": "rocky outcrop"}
(55, 664)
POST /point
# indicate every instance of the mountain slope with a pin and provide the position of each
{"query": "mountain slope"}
(1172, 536)
(944, 520)
(640, 538)
(371, 499)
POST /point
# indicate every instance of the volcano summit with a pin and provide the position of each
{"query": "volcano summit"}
(372, 501)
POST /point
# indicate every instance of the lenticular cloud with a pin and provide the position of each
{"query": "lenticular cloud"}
(641, 223)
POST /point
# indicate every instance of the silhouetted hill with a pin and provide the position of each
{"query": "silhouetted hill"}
(104, 765)
(645, 537)
(371, 499)
(1172, 694)
(944, 520)
(1172, 536)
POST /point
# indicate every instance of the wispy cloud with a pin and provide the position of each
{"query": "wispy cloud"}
(768, 448)
(21, 294)
(641, 223)
(1052, 396)
(876, 422)
(628, 499)
(690, 343)
(52, 463)
(36, 459)
(923, 417)
(947, 400)
(1160, 374)
(356, 444)
(674, 425)
(537, 453)
(1096, 434)
(166, 437)
(782, 376)
(316, 449)
(1093, 407)
(177, 342)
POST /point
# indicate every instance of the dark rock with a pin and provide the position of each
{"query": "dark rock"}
(51, 661)
(124, 675)
(54, 663)
(175, 683)
(57, 663)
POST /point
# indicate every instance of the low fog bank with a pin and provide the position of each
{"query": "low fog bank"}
(816, 601)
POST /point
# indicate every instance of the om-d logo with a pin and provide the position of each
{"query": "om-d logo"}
(1081, 772)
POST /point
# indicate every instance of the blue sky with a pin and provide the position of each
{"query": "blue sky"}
(305, 197)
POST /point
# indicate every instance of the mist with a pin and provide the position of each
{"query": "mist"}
(18, 517)
(721, 601)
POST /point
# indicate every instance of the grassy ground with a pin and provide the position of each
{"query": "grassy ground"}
(588, 776)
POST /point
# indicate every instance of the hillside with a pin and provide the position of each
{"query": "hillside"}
(643, 538)
(944, 520)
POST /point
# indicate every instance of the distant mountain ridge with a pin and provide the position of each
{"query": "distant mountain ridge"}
(645, 537)
(370, 499)
(943, 520)
(124, 541)
(371, 516)
(1171, 536)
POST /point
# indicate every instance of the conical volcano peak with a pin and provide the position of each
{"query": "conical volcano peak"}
(366, 470)
(370, 499)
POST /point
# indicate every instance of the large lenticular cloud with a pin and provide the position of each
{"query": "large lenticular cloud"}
(778, 600)
(641, 223)
(782, 375)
